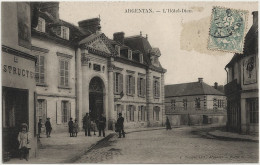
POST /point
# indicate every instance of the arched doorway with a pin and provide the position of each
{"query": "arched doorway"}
(96, 98)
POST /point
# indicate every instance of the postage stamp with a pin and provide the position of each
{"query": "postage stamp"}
(227, 29)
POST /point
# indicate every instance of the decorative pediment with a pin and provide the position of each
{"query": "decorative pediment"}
(99, 44)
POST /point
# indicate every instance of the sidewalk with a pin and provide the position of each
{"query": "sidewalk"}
(60, 148)
(233, 136)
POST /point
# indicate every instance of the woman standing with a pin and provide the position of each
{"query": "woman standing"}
(75, 128)
(168, 124)
(24, 142)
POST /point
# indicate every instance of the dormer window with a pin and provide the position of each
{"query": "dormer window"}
(141, 58)
(129, 54)
(65, 32)
(41, 25)
(118, 50)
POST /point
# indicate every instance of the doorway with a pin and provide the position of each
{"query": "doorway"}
(96, 98)
(15, 112)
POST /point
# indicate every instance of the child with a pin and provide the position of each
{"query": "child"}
(94, 126)
(75, 128)
(24, 140)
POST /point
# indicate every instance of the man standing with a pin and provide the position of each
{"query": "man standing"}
(39, 128)
(102, 125)
(48, 127)
(71, 127)
(120, 125)
(87, 125)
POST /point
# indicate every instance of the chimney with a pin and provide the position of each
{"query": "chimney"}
(146, 36)
(140, 33)
(92, 25)
(200, 80)
(216, 85)
(51, 7)
(255, 17)
(119, 37)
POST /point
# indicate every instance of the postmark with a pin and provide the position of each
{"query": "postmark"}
(227, 30)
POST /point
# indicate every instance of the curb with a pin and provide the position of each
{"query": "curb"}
(145, 130)
(80, 154)
(233, 139)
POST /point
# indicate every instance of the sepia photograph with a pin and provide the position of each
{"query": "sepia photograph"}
(124, 82)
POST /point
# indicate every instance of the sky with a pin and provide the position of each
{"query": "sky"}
(180, 36)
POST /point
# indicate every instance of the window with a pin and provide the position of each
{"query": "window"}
(41, 110)
(131, 110)
(142, 112)
(41, 25)
(39, 70)
(156, 112)
(130, 85)
(220, 103)
(129, 54)
(215, 105)
(141, 87)
(118, 83)
(197, 103)
(96, 67)
(64, 73)
(64, 32)
(141, 58)
(252, 106)
(118, 50)
(65, 111)
(173, 104)
(185, 104)
(156, 88)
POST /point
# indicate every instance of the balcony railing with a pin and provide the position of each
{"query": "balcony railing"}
(232, 87)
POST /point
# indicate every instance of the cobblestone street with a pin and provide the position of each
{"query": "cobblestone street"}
(180, 145)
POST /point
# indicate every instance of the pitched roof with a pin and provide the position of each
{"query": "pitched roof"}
(189, 89)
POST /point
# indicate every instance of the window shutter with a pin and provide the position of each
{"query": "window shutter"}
(139, 113)
(143, 87)
(120, 79)
(127, 111)
(133, 85)
(58, 112)
(127, 82)
(146, 113)
(66, 70)
(67, 33)
(114, 82)
(133, 109)
(138, 86)
(41, 69)
(154, 88)
(158, 89)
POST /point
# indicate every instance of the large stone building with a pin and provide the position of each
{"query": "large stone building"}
(194, 103)
(79, 70)
(242, 85)
(18, 85)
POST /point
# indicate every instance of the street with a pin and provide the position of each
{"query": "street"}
(179, 145)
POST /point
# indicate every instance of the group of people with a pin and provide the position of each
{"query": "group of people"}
(99, 124)
(73, 128)
(47, 126)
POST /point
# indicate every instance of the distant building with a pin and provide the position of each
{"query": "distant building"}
(194, 103)
(80, 70)
(242, 87)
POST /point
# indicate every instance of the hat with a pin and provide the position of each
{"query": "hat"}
(48, 118)
(24, 125)
(120, 114)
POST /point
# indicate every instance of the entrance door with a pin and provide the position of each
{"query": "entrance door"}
(15, 112)
(96, 107)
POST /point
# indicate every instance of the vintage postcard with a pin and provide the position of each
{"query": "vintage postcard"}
(129, 82)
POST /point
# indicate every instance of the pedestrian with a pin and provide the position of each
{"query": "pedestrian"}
(120, 125)
(168, 124)
(71, 127)
(24, 141)
(87, 125)
(48, 127)
(94, 126)
(101, 125)
(39, 128)
(75, 128)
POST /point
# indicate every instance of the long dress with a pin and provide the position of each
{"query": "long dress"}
(168, 124)
(24, 139)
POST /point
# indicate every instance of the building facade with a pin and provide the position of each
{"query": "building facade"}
(80, 70)
(242, 85)
(18, 85)
(194, 103)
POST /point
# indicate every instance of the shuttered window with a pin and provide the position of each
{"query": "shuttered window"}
(156, 88)
(41, 110)
(118, 83)
(65, 111)
(156, 113)
(65, 32)
(141, 87)
(64, 73)
(39, 70)
(130, 85)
